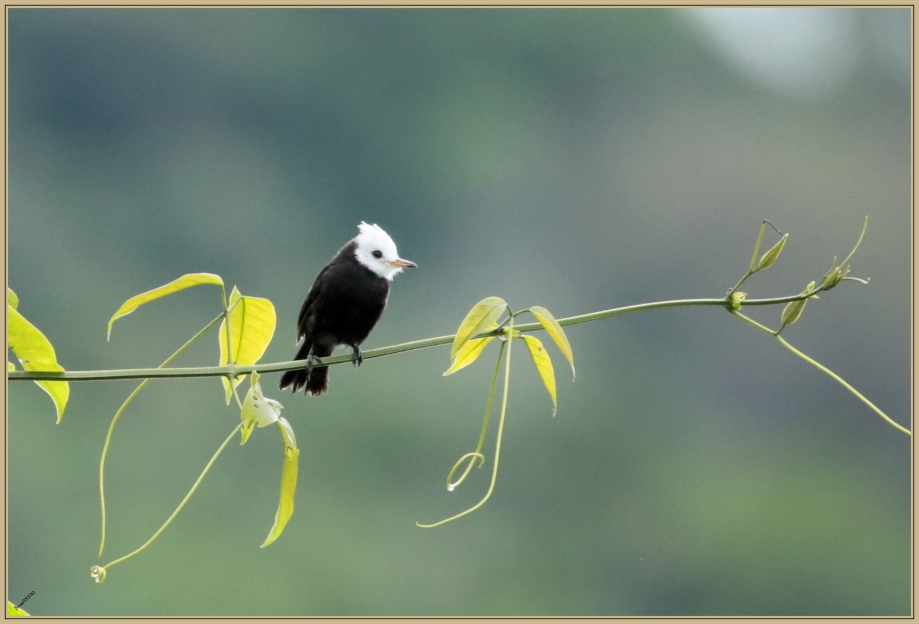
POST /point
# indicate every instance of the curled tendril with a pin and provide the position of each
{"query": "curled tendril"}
(452, 485)
(98, 574)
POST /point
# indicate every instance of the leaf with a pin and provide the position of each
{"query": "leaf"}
(482, 315)
(543, 367)
(469, 352)
(35, 353)
(11, 299)
(288, 482)
(14, 611)
(10, 366)
(252, 324)
(186, 281)
(555, 330)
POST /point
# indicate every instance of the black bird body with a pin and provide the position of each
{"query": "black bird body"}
(344, 304)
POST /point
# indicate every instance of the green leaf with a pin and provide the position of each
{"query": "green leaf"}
(14, 611)
(469, 352)
(10, 366)
(543, 367)
(288, 482)
(556, 332)
(11, 299)
(186, 281)
(252, 324)
(480, 317)
(35, 353)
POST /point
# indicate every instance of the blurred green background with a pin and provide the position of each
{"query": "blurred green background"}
(580, 159)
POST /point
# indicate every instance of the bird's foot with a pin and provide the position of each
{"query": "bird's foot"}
(356, 356)
(311, 360)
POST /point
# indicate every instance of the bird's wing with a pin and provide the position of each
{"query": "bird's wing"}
(308, 303)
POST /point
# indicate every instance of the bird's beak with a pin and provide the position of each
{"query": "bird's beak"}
(403, 263)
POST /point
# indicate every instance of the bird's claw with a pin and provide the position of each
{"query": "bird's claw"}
(356, 356)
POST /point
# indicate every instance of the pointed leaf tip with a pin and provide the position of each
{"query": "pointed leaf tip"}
(480, 317)
(469, 352)
(36, 353)
(186, 281)
(288, 482)
(543, 366)
(554, 329)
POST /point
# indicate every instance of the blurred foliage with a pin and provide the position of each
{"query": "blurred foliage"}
(577, 158)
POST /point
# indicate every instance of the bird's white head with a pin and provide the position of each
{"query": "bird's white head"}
(377, 251)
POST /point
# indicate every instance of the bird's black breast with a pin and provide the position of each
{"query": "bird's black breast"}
(344, 304)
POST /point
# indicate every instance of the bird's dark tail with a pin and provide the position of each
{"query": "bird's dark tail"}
(314, 380)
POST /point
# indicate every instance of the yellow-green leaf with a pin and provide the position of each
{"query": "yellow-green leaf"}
(14, 611)
(288, 482)
(252, 324)
(11, 299)
(35, 353)
(186, 281)
(480, 317)
(10, 366)
(543, 367)
(556, 332)
(469, 352)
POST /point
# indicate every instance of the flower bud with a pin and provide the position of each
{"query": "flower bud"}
(769, 258)
(737, 300)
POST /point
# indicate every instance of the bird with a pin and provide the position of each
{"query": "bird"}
(343, 305)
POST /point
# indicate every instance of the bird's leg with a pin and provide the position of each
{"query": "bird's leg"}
(356, 356)
(310, 360)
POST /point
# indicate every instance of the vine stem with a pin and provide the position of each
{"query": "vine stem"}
(477, 454)
(276, 367)
(111, 428)
(845, 384)
(494, 469)
(819, 366)
(99, 572)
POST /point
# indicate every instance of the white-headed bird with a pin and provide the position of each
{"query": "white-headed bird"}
(345, 302)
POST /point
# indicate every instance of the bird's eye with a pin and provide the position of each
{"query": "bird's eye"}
(377, 254)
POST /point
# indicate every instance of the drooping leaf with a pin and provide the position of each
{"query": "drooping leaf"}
(11, 299)
(186, 281)
(252, 325)
(481, 316)
(288, 482)
(543, 367)
(35, 353)
(469, 352)
(556, 332)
